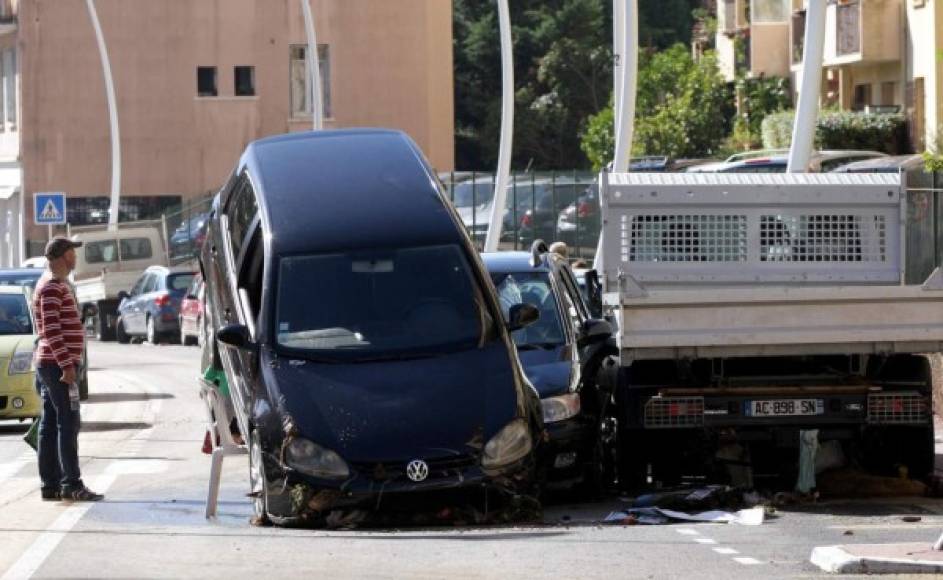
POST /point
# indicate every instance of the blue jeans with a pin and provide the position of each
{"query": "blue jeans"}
(58, 432)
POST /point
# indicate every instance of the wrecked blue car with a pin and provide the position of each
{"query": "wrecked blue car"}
(363, 342)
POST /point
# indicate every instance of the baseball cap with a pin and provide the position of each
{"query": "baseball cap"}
(58, 246)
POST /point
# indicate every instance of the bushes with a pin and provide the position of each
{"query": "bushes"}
(776, 130)
(842, 130)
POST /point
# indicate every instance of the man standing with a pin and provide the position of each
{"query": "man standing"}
(58, 355)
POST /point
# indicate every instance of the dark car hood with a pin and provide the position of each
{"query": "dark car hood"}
(400, 410)
(546, 371)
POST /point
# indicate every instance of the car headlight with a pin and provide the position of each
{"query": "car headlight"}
(21, 363)
(510, 444)
(560, 408)
(312, 459)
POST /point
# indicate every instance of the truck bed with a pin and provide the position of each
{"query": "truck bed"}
(730, 265)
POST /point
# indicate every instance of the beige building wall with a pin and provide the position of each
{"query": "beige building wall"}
(390, 66)
(769, 48)
(925, 37)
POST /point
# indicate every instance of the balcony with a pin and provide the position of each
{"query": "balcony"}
(848, 23)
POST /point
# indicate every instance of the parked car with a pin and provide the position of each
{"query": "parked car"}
(187, 239)
(362, 339)
(538, 218)
(28, 277)
(152, 308)
(912, 166)
(777, 160)
(18, 398)
(191, 313)
(561, 354)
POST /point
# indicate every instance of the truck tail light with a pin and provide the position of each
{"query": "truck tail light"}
(898, 408)
(668, 412)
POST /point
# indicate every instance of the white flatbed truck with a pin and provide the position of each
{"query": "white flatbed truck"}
(752, 306)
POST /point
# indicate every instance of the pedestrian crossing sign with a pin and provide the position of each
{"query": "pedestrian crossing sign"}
(49, 209)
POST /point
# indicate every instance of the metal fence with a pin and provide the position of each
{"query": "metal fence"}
(553, 206)
(564, 206)
(186, 230)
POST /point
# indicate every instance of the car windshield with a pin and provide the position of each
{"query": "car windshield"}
(369, 305)
(531, 288)
(14, 315)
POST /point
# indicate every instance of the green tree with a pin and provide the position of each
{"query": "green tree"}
(682, 109)
(562, 68)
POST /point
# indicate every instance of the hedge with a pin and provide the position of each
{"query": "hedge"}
(842, 130)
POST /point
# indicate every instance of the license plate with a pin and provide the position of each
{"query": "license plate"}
(785, 407)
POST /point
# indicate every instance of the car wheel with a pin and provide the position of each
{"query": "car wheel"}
(120, 333)
(152, 336)
(258, 486)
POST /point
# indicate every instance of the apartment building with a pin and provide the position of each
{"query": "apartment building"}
(196, 80)
(752, 38)
(880, 55)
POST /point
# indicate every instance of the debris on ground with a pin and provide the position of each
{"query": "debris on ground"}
(658, 516)
(850, 483)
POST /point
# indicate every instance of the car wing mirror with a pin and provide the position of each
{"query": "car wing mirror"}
(594, 330)
(237, 336)
(522, 315)
(191, 297)
(122, 296)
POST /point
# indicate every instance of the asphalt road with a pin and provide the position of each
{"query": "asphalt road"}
(141, 446)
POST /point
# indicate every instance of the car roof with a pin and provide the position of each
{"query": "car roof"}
(508, 262)
(890, 164)
(347, 189)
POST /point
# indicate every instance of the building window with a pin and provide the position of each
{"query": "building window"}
(206, 81)
(301, 81)
(244, 81)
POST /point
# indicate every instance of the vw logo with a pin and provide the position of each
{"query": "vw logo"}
(417, 470)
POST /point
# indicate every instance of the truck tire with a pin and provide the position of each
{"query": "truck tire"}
(104, 331)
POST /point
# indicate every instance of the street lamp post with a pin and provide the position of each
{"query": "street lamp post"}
(313, 67)
(113, 118)
(507, 129)
(807, 112)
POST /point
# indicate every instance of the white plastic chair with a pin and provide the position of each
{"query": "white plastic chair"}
(218, 421)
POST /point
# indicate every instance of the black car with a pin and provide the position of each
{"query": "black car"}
(152, 309)
(29, 277)
(561, 354)
(362, 339)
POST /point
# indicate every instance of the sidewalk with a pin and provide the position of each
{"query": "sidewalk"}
(879, 559)
(887, 558)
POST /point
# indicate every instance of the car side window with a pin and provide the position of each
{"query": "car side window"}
(151, 284)
(136, 249)
(572, 289)
(104, 251)
(240, 212)
(139, 285)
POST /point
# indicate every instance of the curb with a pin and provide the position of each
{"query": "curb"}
(836, 560)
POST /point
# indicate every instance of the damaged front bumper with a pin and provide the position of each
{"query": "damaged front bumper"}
(295, 498)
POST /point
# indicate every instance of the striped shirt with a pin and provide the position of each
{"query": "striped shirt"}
(61, 336)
